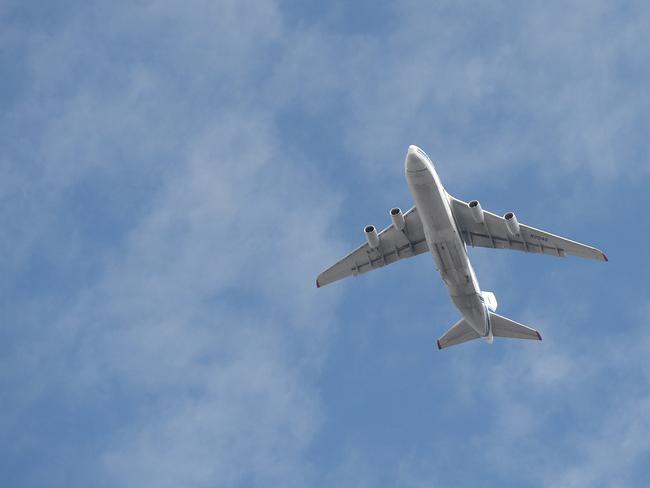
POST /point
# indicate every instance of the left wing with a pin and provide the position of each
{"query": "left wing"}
(493, 232)
(394, 244)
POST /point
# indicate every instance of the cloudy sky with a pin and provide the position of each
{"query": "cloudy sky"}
(174, 175)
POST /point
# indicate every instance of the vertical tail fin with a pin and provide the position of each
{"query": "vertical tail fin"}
(490, 300)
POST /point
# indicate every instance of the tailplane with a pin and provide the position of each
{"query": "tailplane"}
(503, 327)
(500, 326)
(460, 332)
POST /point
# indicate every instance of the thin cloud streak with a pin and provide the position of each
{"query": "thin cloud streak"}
(163, 225)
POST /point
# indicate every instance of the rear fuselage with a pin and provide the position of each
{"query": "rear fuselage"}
(445, 243)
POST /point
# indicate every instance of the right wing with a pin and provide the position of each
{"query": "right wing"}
(493, 233)
(393, 245)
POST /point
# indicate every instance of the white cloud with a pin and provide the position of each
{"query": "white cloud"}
(567, 416)
(207, 317)
(548, 89)
(200, 322)
(200, 315)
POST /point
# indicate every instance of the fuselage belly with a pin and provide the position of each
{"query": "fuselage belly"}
(444, 241)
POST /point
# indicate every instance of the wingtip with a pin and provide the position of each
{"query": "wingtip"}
(317, 283)
(539, 336)
(605, 257)
(438, 344)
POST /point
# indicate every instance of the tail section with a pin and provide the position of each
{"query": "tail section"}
(500, 326)
(490, 300)
(503, 327)
(460, 332)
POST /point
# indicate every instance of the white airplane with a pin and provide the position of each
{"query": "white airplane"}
(444, 226)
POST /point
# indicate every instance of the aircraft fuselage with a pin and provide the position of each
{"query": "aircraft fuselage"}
(444, 241)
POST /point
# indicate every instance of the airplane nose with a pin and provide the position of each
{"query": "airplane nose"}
(414, 160)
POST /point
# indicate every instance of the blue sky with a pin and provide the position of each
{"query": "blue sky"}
(176, 174)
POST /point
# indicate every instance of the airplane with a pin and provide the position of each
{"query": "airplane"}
(444, 226)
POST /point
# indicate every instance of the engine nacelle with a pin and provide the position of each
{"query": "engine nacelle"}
(477, 211)
(512, 223)
(397, 217)
(371, 236)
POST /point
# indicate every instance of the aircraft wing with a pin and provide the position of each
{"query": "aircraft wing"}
(494, 233)
(394, 245)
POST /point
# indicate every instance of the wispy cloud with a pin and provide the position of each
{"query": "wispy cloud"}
(168, 199)
(547, 90)
(189, 343)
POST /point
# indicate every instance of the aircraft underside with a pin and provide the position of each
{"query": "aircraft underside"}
(444, 226)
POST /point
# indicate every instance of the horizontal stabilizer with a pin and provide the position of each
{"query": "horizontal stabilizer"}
(503, 327)
(460, 332)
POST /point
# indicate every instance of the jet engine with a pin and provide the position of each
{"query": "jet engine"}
(397, 217)
(371, 236)
(477, 211)
(512, 223)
